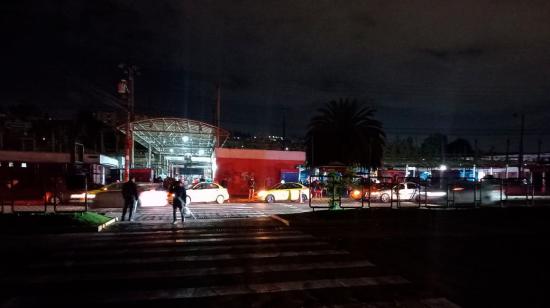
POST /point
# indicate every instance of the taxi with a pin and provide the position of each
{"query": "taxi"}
(289, 191)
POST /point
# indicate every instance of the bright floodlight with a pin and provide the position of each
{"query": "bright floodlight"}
(442, 167)
(185, 138)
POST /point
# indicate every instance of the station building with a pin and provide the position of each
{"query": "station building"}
(189, 149)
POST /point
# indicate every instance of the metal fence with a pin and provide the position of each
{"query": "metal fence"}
(39, 195)
(342, 191)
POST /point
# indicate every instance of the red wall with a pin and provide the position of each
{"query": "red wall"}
(237, 165)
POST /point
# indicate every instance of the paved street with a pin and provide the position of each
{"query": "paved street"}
(256, 261)
(215, 211)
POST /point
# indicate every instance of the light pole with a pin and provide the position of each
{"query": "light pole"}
(128, 90)
(520, 153)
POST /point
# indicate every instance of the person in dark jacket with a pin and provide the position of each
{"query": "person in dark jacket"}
(251, 186)
(180, 195)
(130, 195)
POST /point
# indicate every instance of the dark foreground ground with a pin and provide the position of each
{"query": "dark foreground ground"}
(476, 258)
(355, 258)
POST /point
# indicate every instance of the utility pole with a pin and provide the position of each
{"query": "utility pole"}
(218, 111)
(443, 145)
(284, 128)
(475, 151)
(312, 150)
(520, 156)
(127, 91)
(507, 151)
(538, 150)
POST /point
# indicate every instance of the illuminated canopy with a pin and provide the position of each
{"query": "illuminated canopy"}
(178, 139)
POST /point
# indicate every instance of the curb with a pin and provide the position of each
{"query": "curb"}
(105, 225)
(284, 221)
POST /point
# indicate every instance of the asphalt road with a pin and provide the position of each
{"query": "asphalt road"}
(239, 255)
(476, 258)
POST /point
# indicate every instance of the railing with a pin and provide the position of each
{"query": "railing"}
(41, 197)
(432, 193)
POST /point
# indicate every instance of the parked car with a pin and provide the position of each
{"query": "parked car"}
(470, 192)
(359, 191)
(52, 190)
(406, 191)
(517, 187)
(284, 192)
(204, 192)
(150, 194)
(384, 192)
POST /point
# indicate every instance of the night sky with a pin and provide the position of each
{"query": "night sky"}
(461, 68)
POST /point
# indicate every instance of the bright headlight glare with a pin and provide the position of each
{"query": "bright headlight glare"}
(261, 193)
(82, 196)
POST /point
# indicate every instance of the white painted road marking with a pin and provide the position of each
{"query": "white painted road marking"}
(256, 288)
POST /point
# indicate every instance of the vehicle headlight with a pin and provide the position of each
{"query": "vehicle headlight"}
(262, 193)
(82, 196)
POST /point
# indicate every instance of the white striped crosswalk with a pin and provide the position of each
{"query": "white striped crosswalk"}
(259, 288)
(210, 263)
(213, 211)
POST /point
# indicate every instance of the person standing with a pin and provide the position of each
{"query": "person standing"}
(224, 183)
(130, 195)
(251, 187)
(180, 195)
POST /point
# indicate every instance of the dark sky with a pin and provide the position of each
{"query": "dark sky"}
(460, 68)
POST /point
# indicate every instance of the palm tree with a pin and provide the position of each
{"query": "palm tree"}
(345, 132)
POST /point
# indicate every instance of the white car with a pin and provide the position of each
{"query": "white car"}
(207, 192)
(110, 196)
(407, 191)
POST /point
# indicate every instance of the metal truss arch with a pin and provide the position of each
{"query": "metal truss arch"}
(177, 138)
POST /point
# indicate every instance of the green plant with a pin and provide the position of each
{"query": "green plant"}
(335, 188)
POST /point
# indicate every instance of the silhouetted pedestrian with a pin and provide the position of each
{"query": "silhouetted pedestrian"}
(251, 187)
(180, 196)
(130, 195)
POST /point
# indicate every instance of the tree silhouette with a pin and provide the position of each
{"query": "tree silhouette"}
(345, 132)
(460, 148)
(434, 146)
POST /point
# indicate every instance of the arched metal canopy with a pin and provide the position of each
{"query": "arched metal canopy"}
(177, 138)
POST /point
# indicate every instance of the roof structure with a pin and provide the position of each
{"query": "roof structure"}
(177, 138)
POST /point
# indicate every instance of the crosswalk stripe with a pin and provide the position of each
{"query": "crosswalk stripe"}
(180, 235)
(189, 258)
(256, 288)
(177, 249)
(189, 241)
(204, 271)
(438, 302)
(189, 234)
